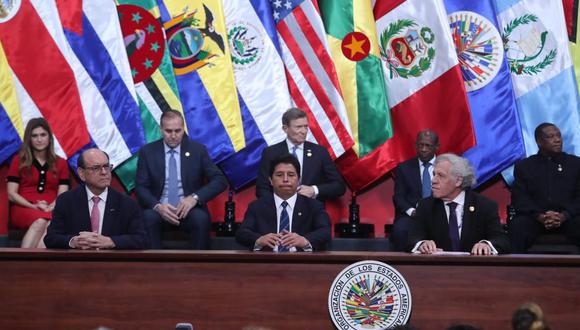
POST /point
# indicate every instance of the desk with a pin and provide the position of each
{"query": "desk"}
(49, 289)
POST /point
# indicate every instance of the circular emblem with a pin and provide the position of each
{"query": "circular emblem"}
(246, 45)
(356, 46)
(144, 41)
(407, 48)
(8, 9)
(369, 295)
(479, 48)
(529, 46)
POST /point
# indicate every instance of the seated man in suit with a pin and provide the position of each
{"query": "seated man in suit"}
(456, 218)
(94, 216)
(175, 179)
(284, 220)
(320, 178)
(413, 182)
(546, 192)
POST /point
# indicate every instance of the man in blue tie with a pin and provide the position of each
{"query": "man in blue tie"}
(319, 178)
(175, 179)
(456, 218)
(284, 221)
(412, 182)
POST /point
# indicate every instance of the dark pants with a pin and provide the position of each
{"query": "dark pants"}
(524, 229)
(401, 227)
(197, 223)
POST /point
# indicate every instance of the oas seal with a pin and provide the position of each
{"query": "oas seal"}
(8, 9)
(369, 295)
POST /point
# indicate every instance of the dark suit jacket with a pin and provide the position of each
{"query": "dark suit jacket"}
(308, 219)
(480, 222)
(408, 186)
(122, 221)
(540, 186)
(319, 170)
(196, 169)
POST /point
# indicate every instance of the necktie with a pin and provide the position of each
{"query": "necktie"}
(172, 189)
(284, 224)
(294, 151)
(95, 214)
(453, 226)
(426, 188)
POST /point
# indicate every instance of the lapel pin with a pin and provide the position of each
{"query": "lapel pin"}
(299, 213)
(559, 167)
(187, 154)
(309, 153)
(472, 209)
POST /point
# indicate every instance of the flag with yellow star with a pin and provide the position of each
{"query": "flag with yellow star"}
(352, 37)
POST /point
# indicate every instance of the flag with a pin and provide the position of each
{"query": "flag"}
(424, 85)
(571, 10)
(104, 78)
(155, 85)
(197, 42)
(45, 83)
(353, 42)
(261, 83)
(10, 120)
(311, 74)
(536, 43)
(475, 34)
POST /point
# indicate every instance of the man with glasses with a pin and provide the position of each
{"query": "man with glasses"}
(94, 216)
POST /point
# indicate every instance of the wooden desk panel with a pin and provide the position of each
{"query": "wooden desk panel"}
(230, 290)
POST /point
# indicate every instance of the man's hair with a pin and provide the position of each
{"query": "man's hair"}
(430, 134)
(292, 114)
(285, 159)
(170, 114)
(81, 160)
(460, 167)
(539, 130)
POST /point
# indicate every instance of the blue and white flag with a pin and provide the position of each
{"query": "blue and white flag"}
(261, 84)
(479, 46)
(536, 44)
(105, 84)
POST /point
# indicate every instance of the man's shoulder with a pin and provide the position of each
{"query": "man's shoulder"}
(152, 145)
(408, 164)
(480, 199)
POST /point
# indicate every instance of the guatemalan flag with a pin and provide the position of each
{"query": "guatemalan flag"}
(261, 83)
(104, 77)
(423, 77)
(536, 44)
(475, 34)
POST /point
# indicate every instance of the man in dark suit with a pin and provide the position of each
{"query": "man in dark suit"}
(413, 182)
(175, 179)
(320, 178)
(284, 220)
(456, 218)
(546, 192)
(114, 220)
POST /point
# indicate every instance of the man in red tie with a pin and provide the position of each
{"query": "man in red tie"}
(94, 216)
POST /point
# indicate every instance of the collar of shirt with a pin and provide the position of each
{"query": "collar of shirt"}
(291, 202)
(292, 145)
(102, 196)
(167, 148)
(432, 162)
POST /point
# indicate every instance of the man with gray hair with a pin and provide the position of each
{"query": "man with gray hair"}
(455, 218)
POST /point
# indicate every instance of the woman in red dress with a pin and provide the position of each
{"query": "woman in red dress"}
(36, 176)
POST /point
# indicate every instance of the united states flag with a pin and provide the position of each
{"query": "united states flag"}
(310, 71)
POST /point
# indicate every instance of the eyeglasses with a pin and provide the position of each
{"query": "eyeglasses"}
(99, 168)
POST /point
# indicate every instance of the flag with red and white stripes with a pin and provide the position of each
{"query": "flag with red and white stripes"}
(311, 74)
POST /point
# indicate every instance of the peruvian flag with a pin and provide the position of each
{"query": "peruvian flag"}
(424, 86)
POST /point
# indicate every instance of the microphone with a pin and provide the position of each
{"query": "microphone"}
(183, 326)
